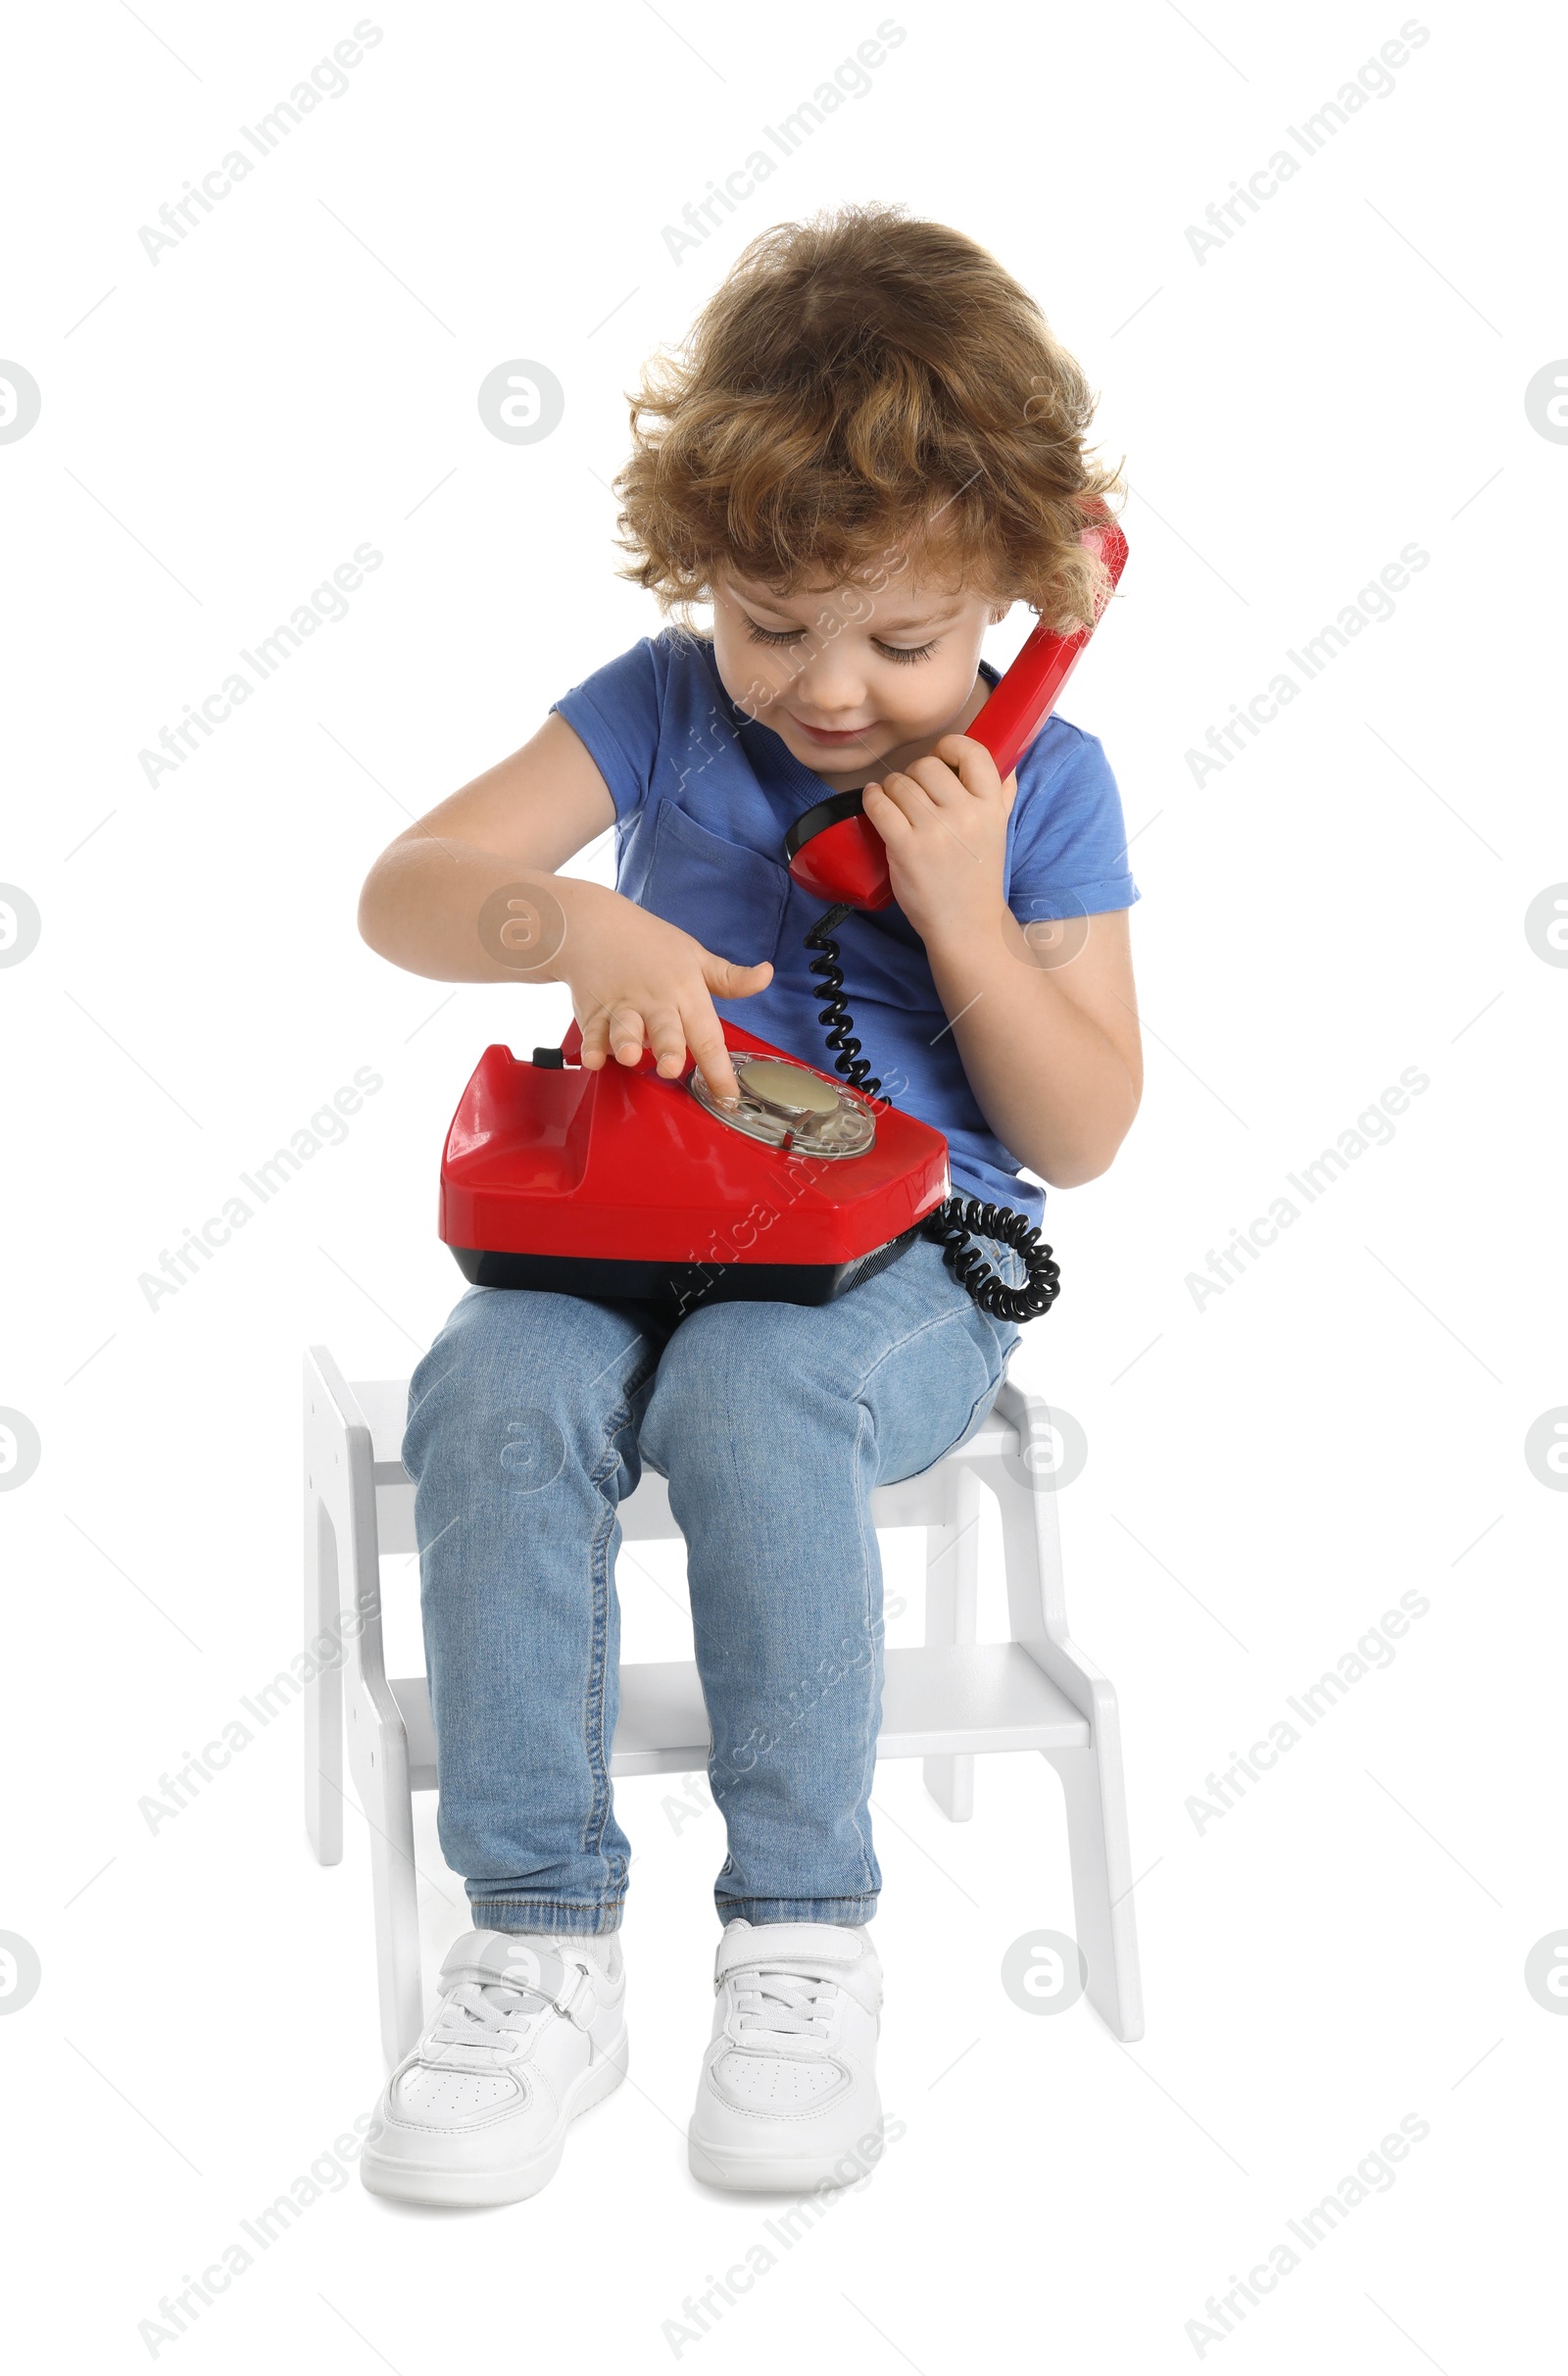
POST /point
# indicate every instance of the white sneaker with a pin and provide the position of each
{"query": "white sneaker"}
(530, 2031)
(788, 2099)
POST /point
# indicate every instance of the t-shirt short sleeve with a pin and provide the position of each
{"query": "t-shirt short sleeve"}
(1070, 840)
(617, 713)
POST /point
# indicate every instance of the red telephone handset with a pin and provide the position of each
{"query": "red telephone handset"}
(836, 852)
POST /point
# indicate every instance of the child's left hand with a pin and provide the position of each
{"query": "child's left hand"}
(944, 820)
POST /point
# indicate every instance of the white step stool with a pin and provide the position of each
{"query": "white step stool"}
(942, 1703)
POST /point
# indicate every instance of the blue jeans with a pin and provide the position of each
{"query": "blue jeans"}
(529, 1420)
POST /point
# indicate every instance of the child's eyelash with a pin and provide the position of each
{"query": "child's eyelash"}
(789, 636)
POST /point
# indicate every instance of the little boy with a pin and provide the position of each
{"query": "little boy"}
(871, 447)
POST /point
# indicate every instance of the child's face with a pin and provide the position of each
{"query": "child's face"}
(847, 677)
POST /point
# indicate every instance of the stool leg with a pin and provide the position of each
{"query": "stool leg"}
(395, 1888)
(1091, 1776)
(381, 1778)
(951, 1605)
(1103, 1921)
(323, 1693)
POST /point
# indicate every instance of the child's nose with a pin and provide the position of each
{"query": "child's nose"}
(832, 682)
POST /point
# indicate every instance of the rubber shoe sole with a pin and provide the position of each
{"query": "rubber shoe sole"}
(473, 2190)
(768, 2173)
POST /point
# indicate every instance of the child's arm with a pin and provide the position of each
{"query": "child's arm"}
(1049, 1039)
(635, 981)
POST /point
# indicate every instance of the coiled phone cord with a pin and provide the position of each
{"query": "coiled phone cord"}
(834, 1012)
(959, 1219)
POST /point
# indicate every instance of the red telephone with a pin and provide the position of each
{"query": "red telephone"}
(811, 1186)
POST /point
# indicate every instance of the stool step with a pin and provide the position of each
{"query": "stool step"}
(937, 1702)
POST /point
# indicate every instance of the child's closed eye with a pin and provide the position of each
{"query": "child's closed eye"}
(770, 635)
(790, 635)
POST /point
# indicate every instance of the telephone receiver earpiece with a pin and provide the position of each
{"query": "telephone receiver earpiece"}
(835, 851)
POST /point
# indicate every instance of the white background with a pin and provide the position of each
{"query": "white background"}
(1344, 900)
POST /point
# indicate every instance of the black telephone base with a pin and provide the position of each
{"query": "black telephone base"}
(686, 1285)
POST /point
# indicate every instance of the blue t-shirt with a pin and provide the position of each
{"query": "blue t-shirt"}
(703, 797)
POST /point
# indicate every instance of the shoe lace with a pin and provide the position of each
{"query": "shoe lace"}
(482, 2016)
(785, 2005)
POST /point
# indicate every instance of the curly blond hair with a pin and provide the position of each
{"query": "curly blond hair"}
(859, 386)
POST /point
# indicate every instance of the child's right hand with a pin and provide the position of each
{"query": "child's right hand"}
(637, 982)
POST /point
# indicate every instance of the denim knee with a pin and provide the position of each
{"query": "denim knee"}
(740, 1386)
(517, 1385)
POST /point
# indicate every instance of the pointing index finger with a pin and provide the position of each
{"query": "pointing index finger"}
(706, 1039)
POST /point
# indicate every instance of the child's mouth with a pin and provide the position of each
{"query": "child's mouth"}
(832, 734)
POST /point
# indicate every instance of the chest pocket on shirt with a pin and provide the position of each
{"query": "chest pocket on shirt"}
(728, 897)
